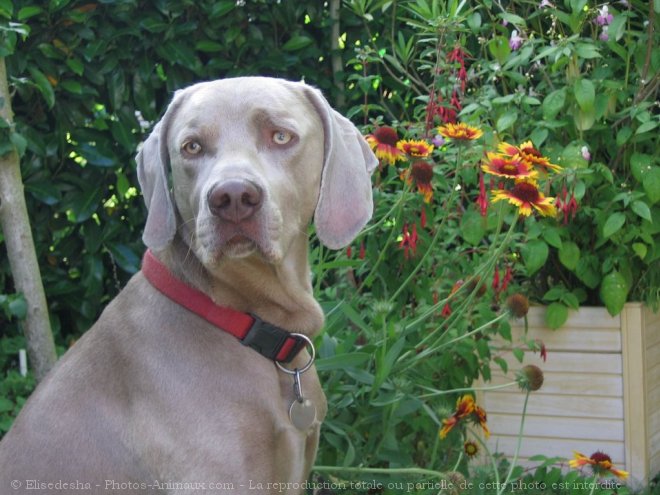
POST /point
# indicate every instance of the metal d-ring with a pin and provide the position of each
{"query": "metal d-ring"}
(310, 344)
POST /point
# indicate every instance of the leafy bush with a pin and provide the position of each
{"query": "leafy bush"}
(578, 80)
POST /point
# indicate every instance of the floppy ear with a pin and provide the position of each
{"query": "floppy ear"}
(160, 227)
(345, 202)
(153, 162)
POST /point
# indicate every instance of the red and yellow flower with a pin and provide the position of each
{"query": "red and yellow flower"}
(415, 148)
(460, 132)
(384, 141)
(600, 463)
(529, 155)
(481, 419)
(420, 173)
(465, 407)
(526, 196)
(511, 167)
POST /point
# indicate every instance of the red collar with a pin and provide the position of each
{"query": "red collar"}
(270, 341)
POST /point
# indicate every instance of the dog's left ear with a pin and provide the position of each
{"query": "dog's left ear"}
(345, 201)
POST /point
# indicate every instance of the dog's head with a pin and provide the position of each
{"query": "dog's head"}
(252, 161)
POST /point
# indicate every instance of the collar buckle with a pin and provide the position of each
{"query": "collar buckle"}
(272, 342)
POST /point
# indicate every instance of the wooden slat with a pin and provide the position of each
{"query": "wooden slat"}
(653, 365)
(574, 362)
(556, 427)
(652, 326)
(552, 405)
(608, 385)
(586, 340)
(586, 317)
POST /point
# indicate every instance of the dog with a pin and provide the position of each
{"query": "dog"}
(157, 397)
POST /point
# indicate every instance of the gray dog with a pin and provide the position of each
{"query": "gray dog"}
(198, 377)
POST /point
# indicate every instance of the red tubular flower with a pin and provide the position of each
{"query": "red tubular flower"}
(508, 275)
(409, 241)
(496, 279)
(363, 252)
(482, 199)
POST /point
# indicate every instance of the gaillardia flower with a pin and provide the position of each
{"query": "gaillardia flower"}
(421, 174)
(481, 419)
(526, 196)
(511, 167)
(383, 141)
(470, 448)
(600, 464)
(529, 155)
(415, 148)
(460, 132)
(465, 407)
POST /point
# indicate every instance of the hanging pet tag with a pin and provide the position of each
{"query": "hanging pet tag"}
(302, 414)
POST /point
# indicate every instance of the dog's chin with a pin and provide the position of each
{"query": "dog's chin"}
(239, 247)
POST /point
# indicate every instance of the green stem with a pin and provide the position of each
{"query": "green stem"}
(435, 392)
(593, 484)
(496, 473)
(374, 270)
(517, 452)
(366, 470)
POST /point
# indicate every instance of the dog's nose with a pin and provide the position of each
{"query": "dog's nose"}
(235, 200)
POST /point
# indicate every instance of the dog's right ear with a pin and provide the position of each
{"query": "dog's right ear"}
(153, 165)
(160, 227)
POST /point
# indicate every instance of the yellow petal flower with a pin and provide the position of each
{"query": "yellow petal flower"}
(461, 132)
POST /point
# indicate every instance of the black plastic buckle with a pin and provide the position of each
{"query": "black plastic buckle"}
(268, 340)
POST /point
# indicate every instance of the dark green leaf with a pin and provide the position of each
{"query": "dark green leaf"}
(569, 255)
(44, 86)
(297, 42)
(651, 183)
(556, 315)
(614, 292)
(585, 94)
(613, 223)
(535, 254)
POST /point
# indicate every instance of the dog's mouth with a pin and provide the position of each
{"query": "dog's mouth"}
(239, 246)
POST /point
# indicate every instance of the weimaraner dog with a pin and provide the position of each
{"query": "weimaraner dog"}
(197, 378)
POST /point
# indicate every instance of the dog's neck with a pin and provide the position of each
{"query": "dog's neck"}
(281, 294)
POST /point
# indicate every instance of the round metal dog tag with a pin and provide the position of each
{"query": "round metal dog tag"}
(302, 414)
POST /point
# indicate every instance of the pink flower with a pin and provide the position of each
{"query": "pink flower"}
(604, 36)
(515, 41)
(546, 3)
(604, 17)
(585, 153)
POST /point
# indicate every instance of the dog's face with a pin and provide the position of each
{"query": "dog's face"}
(252, 160)
(246, 165)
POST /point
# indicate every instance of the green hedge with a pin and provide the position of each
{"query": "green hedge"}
(88, 80)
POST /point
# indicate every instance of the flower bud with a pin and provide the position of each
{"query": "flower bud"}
(530, 377)
(518, 305)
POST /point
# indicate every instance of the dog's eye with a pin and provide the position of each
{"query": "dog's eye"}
(282, 137)
(192, 147)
